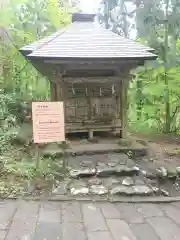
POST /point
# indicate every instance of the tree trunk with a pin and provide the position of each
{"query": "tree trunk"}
(167, 127)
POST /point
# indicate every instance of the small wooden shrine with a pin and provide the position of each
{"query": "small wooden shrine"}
(88, 68)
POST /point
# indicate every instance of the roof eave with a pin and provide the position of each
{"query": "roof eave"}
(25, 52)
(92, 59)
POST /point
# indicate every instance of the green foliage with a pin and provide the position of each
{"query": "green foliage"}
(61, 17)
(151, 96)
(8, 122)
(28, 22)
(26, 168)
(154, 102)
(24, 22)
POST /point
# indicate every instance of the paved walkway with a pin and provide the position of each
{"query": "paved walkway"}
(89, 221)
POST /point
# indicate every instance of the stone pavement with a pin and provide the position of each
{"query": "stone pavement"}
(88, 221)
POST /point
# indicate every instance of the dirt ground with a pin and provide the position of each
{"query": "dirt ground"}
(163, 150)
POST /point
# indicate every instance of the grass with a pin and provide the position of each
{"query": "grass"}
(23, 168)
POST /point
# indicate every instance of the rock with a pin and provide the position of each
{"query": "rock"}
(95, 181)
(164, 193)
(152, 181)
(84, 172)
(178, 170)
(126, 171)
(87, 163)
(116, 158)
(111, 182)
(101, 164)
(122, 190)
(61, 189)
(161, 172)
(128, 181)
(76, 183)
(155, 189)
(139, 182)
(112, 164)
(132, 190)
(151, 176)
(142, 190)
(79, 191)
(172, 173)
(105, 171)
(130, 163)
(78, 187)
(143, 172)
(99, 190)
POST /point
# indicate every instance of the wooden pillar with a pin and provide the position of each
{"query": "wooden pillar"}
(124, 107)
(58, 91)
(53, 91)
(118, 104)
(62, 95)
(91, 135)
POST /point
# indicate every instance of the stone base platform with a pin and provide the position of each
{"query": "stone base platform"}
(105, 146)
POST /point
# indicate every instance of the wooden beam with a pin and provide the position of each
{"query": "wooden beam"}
(63, 67)
(91, 79)
(94, 61)
(124, 108)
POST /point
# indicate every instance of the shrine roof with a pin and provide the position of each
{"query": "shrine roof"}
(85, 39)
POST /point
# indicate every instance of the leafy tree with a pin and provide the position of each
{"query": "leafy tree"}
(154, 91)
(28, 21)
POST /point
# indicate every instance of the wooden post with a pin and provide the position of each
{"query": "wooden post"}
(37, 156)
(53, 91)
(118, 105)
(57, 88)
(91, 135)
(124, 107)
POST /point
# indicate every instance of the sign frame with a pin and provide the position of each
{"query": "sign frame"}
(61, 123)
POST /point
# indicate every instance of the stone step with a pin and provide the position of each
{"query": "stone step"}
(136, 151)
(96, 186)
(103, 171)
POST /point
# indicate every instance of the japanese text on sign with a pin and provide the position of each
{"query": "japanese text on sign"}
(48, 122)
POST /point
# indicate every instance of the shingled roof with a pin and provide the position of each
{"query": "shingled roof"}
(85, 39)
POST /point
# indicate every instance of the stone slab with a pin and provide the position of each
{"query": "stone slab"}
(149, 210)
(92, 215)
(48, 231)
(144, 232)
(100, 236)
(172, 212)
(105, 147)
(71, 212)
(6, 213)
(120, 230)
(165, 228)
(49, 212)
(71, 231)
(109, 210)
(129, 213)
